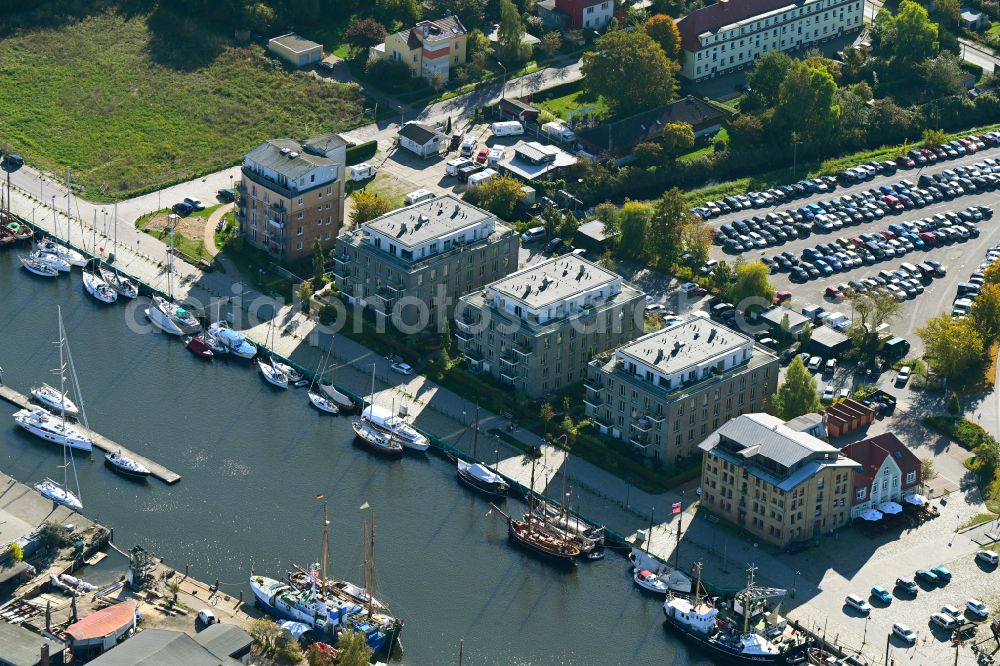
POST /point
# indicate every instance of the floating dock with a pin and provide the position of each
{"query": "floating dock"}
(100, 441)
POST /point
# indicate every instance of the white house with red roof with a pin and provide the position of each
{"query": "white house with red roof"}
(889, 472)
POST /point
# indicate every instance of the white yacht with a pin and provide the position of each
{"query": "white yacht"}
(98, 288)
(37, 267)
(50, 427)
(58, 493)
(69, 255)
(273, 376)
(403, 432)
(171, 318)
(119, 283)
(51, 260)
(235, 342)
(51, 398)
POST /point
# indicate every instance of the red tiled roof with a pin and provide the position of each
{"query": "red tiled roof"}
(722, 13)
(103, 622)
(872, 452)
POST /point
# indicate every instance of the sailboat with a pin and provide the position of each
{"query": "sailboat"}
(370, 436)
(36, 266)
(60, 493)
(55, 400)
(118, 282)
(126, 466)
(477, 475)
(98, 288)
(166, 315)
(50, 246)
(332, 395)
(319, 400)
(268, 368)
(644, 578)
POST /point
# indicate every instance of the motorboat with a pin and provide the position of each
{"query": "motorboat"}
(69, 255)
(59, 494)
(171, 318)
(382, 418)
(98, 288)
(322, 403)
(197, 346)
(648, 581)
(376, 440)
(119, 283)
(37, 267)
(126, 466)
(482, 478)
(52, 260)
(235, 342)
(273, 375)
(50, 398)
(50, 427)
(214, 344)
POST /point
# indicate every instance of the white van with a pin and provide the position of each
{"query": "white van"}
(559, 131)
(508, 128)
(417, 196)
(483, 176)
(533, 234)
(362, 171)
(452, 167)
(468, 146)
(496, 154)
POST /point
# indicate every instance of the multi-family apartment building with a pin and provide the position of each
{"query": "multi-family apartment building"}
(779, 484)
(536, 329)
(424, 256)
(666, 391)
(292, 194)
(730, 35)
(430, 48)
(576, 14)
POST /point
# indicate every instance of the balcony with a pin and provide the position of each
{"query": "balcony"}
(506, 378)
(508, 361)
(523, 350)
(642, 444)
(461, 335)
(340, 258)
(643, 425)
(596, 389)
(593, 403)
(339, 276)
(655, 419)
(464, 326)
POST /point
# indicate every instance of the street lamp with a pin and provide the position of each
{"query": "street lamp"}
(864, 637)
(795, 154)
(503, 87)
(794, 579)
(400, 115)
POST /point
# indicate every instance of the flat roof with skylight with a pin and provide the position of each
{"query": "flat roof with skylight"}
(559, 281)
(431, 220)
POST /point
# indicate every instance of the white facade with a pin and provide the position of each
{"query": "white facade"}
(443, 243)
(598, 15)
(795, 26)
(886, 487)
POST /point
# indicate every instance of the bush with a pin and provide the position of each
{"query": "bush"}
(392, 75)
(964, 432)
(361, 152)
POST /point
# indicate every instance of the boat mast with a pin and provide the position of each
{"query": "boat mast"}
(531, 495)
(326, 538)
(371, 567)
(649, 534)
(62, 396)
(170, 265)
(697, 586)
(371, 396)
(69, 219)
(677, 548)
(475, 436)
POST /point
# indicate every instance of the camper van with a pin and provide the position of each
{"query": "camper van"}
(558, 131)
(483, 176)
(494, 157)
(508, 128)
(417, 196)
(362, 171)
(454, 166)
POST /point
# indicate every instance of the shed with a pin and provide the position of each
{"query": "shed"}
(224, 640)
(514, 108)
(846, 416)
(102, 629)
(592, 236)
(422, 139)
(297, 50)
(161, 647)
(827, 342)
(796, 321)
(21, 647)
(973, 19)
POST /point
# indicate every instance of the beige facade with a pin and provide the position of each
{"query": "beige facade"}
(778, 484)
(296, 50)
(430, 49)
(666, 391)
(291, 195)
(419, 260)
(537, 329)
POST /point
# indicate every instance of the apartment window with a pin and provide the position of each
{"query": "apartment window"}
(911, 477)
(298, 231)
(300, 216)
(329, 189)
(302, 201)
(590, 10)
(861, 493)
(298, 246)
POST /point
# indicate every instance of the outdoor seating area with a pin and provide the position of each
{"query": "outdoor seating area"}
(913, 511)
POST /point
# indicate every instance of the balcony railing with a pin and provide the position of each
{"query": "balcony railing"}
(593, 402)
(508, 361)
(639, 444)
(642, 425)
(463, 336)
(595, 389)
(523, 350)
(339, 276)
(507, 378)
(340, 258)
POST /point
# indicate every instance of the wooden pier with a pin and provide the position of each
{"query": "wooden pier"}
(100, 441)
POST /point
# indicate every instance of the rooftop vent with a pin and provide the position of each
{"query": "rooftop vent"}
(292, 155)
(455, 212)
(659, 355)
(285, 151)
(711, 335)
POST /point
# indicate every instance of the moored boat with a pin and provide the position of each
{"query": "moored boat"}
(197, 346)
(51, 398)
(126, 466)
(69, 255)
(58, 494)
(375, 440)
(98, 288)
(322, 403)
(396, 427)
(235, 342)
(273, 376)
(119, 282)
(51, 428)
(39, 268)
(477, 475)
(52, 260)
(648, 581)
(18, 231)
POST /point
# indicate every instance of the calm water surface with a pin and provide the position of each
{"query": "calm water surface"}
(252, 461)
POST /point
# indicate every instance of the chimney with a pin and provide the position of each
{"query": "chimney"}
(48, 615)
(43, 657)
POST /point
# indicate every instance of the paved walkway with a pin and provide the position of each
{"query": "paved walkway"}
(208, 236)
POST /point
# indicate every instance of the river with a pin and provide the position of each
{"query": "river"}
(253, 460)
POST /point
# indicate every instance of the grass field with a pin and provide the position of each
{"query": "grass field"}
(130, 107)
(561, 106)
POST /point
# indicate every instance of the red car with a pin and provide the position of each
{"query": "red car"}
(834, 293)
(928, 238)
(888, 235)
(929, 155)
(482, 155)
(905, 162)
(781, 297)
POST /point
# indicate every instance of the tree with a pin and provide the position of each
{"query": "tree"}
(404, 12)
(175, 589)
(696, 239)
(392, 74)
(354, 650)
(552, 220)
(546, 413)
(949, 11)
(723, 277)
(259, 17)
(765, 80)
(630, 71)
(677, 138)
(664, 32)
(607, 261)
(943, 75)
(264, 633)
(319, 264)
(752, 282)
(365, 33)
(305, 295)
(16, 552)
(805, 335)
(479, 47)
(786, 324)
(988, 455)
(992, 274)
(550, 43)
(954, 405)
(317, 657)
(634, 220)
(53, 535)
(932, 138)
(499, 196)
(797, 394)
(470, 12)
(985, 313)
(665, 231)
(927, 471)
(367, 206)
(648, 153)
(510, 34)
(915, 37)
(854, 60)
(806, 104)
(884, 29)
(953, 345)
(871, 310)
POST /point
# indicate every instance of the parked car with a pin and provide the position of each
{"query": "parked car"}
(881, 594)
(977, 608)
(926, 576)
(225, 195)
(903, 375)
(953, 613)
(858, 604)
(828, 392)
(942, 573)
(987, 557)
(12, 162)
(944, 621)
(905, 633)
(814, 363)
(196, 204)
(182, 208)
(907, 585)
(401, 368)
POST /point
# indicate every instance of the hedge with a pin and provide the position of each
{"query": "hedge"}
(964, 432)
(361, 152)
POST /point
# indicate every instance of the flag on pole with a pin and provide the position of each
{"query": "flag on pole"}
(320, 496)
(675, 508)
(364, 506)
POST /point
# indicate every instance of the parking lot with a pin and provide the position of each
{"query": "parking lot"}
(960, 257)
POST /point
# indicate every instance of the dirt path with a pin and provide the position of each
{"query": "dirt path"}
(208, 235)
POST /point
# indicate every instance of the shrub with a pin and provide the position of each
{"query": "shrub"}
(964, 432)
(361, 152)
(390, 74)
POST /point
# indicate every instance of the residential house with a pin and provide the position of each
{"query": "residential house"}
(890, 472)
(620, 137)
(430, 49)
(776, 483)
(536, 329)
(296, 50)
(664, 392)
(293, 194)
(531, 160)
(422, 139)
(515, 109)
(428, 254)
(576, 14)
(973, 19)
(730, 35)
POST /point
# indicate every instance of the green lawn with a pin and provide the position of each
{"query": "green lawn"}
(131, 105)
(561, 106)
(705, 149)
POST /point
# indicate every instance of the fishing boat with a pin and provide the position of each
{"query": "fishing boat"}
(698, 621)
(168, 316)
(6, 237)
(98, 288)
(477, 475)
(51, 260)
(126, 466)
(54, 399)
(373, 438)
(329, 613)
(58, 494)
(197, 346)
(395, 427)
(273, 376)
(121, 284)
(236, 343)
(37, 267)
